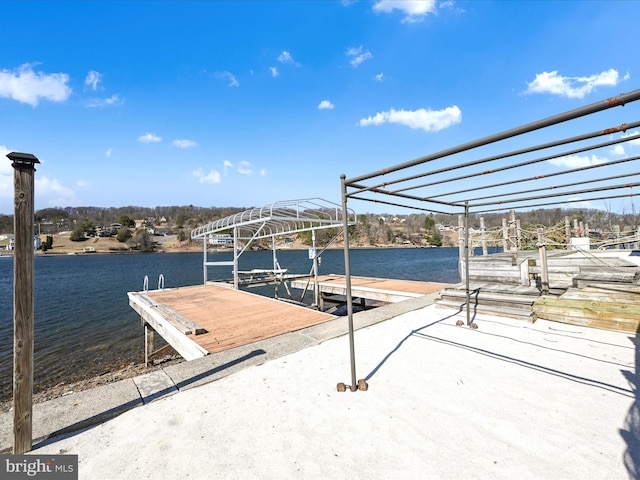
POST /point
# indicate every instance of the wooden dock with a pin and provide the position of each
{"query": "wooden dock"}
(599, 289)
(379, 289)
(204, 319)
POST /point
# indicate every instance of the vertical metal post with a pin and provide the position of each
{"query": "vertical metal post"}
(235, 258)
(347, 273)
(466, 261)
(461, 264)
(316, 287)
(23, 305)
(274, 259)
(204, 263)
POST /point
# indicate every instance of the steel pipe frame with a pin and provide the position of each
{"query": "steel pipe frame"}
(354, 183)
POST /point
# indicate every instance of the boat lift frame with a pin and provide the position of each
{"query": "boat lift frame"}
(416, 186)
(286, 217)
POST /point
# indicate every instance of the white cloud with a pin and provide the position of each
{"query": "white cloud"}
(113, 100)
(576, 161)
(184, 143)
(83, 183)
(263, 172)
(233, 82)
(149, 138)
(579, 203)
(572, 87)
(325, 105)
(380, 77)
(6, 174)
(635, 142)
(244, 168)
(108, 152)
(414, 10)
(92, 79)
(5, 163)
(358, 56)
(26, 86)
(285, 57)
(427, 120)
(226, 165)
(50, 187)
(274, 71)
(617, 150)
(212, 177)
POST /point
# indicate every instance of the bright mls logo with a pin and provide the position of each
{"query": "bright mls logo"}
(51, 467)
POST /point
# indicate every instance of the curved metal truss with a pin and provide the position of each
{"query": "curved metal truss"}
(279, 218)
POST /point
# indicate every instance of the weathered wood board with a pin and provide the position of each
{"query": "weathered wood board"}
(593, 311)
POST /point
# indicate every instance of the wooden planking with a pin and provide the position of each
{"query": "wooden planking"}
(233, 318)
(590, 309)
(382, 289)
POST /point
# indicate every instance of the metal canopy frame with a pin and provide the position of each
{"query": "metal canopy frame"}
(286, 217)
(484, 175)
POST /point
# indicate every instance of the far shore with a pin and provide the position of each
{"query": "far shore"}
(64, 246)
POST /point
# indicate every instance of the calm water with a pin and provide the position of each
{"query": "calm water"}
(84, 325)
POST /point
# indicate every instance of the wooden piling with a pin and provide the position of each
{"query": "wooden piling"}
(23, 304)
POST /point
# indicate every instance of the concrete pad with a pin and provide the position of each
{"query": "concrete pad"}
(204, 370)
(74, 412)
(154, 385)
(508, 400)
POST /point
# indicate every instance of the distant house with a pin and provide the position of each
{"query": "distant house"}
(37, 243)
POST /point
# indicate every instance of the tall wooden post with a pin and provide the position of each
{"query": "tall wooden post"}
(485, 251)
(23, 286)
(544, 270)
(505, 236)
(513, 240)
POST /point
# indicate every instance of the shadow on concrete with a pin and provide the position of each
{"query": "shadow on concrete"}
(631, 432)
(102, 417)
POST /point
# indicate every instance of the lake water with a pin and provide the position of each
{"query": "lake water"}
(84, 326)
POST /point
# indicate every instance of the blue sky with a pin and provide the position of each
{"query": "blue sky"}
(243, 103)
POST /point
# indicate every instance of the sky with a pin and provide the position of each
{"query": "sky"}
(245, 103)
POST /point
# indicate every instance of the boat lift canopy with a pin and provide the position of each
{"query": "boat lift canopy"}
(282, 218)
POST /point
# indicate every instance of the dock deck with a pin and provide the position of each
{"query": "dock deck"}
(203, 319)
(226, 317)
(380, 289)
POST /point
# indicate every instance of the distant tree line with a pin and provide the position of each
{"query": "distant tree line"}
(370, 229)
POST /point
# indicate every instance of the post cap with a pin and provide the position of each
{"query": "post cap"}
(22, 159)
